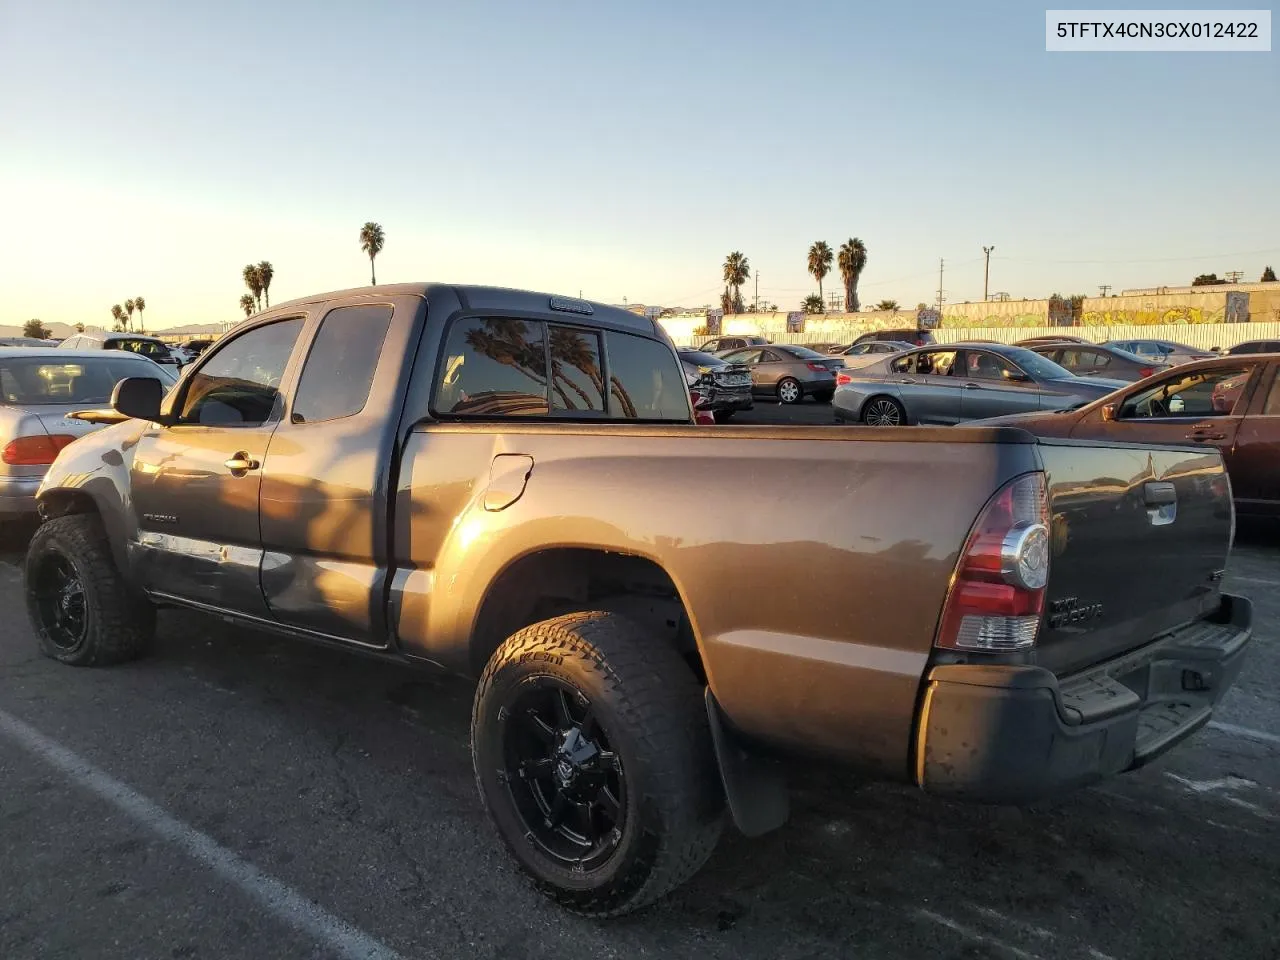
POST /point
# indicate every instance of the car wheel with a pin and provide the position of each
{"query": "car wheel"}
(825, 396)
(724, 416)
(82, 609)
(883, 412)
(790, 391)
(593, 755)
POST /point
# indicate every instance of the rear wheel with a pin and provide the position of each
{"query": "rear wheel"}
(790, 391)
(884, 412)
(83, 611)
(593, 755)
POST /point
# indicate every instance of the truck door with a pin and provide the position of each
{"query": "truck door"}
(1251, 463)
(324, 493)
(195, 483)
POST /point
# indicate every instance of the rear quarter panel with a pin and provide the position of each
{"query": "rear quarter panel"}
(813, 570)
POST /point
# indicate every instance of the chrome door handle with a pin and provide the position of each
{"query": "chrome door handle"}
(1200, 437)
(241, 462)
(973, 386)
(907, 380)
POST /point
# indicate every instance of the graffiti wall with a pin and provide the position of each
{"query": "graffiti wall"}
(1218, 306)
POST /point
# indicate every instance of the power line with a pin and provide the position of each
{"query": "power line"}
(1206, 256)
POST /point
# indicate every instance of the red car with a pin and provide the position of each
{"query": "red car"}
(1230, 402)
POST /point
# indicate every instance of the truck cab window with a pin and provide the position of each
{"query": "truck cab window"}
(645, 382)
(339, 370)
(493, 367)
(577, 377)
(240, 384)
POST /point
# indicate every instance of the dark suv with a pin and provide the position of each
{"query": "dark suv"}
(917, 338)
(721, 344)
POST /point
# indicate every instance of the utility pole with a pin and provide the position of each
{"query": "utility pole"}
(940, 262)
(1233, 276)
(757, 291)
(986, 272)
(1104, 288)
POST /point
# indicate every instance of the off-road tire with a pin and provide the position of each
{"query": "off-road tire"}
(120, 622)
(651, 706)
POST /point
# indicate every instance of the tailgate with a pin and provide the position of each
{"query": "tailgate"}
(1140, 540)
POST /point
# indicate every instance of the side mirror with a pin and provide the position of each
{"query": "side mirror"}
(1014, 375)
(138, 397)
(1109, 413)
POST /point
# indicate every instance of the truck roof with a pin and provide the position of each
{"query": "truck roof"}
(477, 297)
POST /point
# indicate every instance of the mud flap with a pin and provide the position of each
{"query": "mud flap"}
(754, 786)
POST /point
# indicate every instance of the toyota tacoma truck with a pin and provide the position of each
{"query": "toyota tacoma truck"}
(510, 485)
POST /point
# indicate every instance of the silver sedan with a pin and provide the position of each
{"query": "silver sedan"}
(39, 387)
(958, 382)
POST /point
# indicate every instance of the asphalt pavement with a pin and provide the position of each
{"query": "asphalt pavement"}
(239, 795)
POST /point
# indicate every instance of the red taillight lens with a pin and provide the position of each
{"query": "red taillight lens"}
(817, 367)
(1146, 372)
(997, 593)
(843, 378)
(34, 451)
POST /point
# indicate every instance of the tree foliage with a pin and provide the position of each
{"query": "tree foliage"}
(36, 330)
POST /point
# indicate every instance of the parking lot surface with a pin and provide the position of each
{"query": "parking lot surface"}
(238, 795)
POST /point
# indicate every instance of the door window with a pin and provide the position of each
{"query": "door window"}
(1083, 362)
(937, 363)
(980, 365)
(905, 364)
(1211, 393)
(239, 385)
(743, 356)
(1272, 407)
(338, 374)
(645, 382)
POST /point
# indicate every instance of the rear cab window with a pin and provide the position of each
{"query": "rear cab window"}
(509, 367)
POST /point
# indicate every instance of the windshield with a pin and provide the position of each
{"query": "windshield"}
(701, 359)
(29, 381)
(1039, 367)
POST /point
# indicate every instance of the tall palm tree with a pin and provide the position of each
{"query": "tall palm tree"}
(737, 270)
(118, 313)
(853, 257)
(141, 305)
(265, 272)
(887, 305)
(372, 240)
(820, 262)
(247, 304)
(128, 309)
(253, 280)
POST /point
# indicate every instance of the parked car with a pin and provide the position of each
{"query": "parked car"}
(22, 342)
(152, 348)
(39, 387)
(194, 348)
(1254, 346)
(1056, 338)
(1161, 351)
(1097, 360)
(721, 387)
(1232, 403)
(918, 338)
(567, 556)
(787, 373)
(723, 344)
(958, 382)
(869, 351)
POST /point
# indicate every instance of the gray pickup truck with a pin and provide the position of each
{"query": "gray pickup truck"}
(510, 485)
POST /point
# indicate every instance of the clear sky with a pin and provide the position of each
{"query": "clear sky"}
(622, 150)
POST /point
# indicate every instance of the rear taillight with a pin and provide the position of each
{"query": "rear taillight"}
(1146, 372)
(817, 367)
(843, 378)
(997, 594)
(34, 451)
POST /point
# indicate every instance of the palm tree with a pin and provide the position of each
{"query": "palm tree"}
(253, 280)
(118, 313)
(886, 305)
(265, 272)
(812, 303)
(372, 240)
(79, 328)
(247, 304)
(853, 257)
(128, 308)
(737, 270)
(820, 262)
(141, 305)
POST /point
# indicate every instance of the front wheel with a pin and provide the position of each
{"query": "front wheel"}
(790, 391)
(884, 412)
(593, 755)
(83, 610)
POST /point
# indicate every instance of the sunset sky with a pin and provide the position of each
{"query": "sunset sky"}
(154, 148)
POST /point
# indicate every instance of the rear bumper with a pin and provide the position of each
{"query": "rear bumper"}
(1015, 734)
(728, 398)
(18, 494)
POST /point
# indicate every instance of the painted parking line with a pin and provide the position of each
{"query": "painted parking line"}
(1260, 735)
(281, 901)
